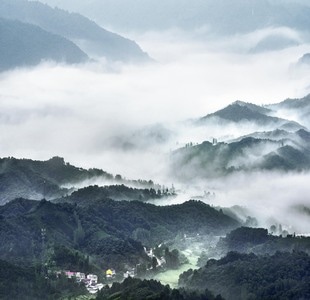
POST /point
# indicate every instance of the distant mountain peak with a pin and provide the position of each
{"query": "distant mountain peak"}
(25, 44)
(86, 34)
(241, 111)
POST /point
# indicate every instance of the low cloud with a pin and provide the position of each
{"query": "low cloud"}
(102, 115)
(76, 111)
(269, 197)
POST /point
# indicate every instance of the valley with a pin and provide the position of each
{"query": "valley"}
(154, 150)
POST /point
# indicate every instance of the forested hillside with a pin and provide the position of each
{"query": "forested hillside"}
(247, 276)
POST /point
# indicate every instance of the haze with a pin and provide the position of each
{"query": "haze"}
(87, 113)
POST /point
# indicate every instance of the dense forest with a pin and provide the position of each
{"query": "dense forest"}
(30, 283)
(259, 241)
(111, 232)
(54, 178)
(238, 276)
(136, 289)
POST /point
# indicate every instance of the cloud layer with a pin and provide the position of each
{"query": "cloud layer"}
(76, 111)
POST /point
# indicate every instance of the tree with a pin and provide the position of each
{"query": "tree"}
(154, 263)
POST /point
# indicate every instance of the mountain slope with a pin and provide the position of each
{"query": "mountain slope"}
(55, 178)
(105, 229)
(261, 152)
(247, 276)
(239, 112)
(27, 45)
(293, 104)
(298, 108)
(260, 242)
(90, 194)
(221, 16)
(38, 179)
(268, 142)
(90, 37)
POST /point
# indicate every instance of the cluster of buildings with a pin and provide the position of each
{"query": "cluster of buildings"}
(90, 280)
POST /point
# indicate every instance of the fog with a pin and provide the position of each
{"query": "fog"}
(270, 197)
(78, 111)
(126, 119)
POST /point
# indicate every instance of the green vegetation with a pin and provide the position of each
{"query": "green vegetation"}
(116, 192)
(247, 276)
(258, 241)
(240, 111)
(33, 179)
(136, 289)
(31, 283)
(249, 153)
(111, 233)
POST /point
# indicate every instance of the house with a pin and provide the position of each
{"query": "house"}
(129, 273)
(80, 276)
(110, 273)
(92, 278)
(70, 274)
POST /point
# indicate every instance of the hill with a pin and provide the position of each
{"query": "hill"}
(55, 178)
(298, 108)
(245, 154)
(247, 276)
(119, 192)
(302, 103)
(19, 282)
(260, 242)
(90, 37)
(239, 112)
(27, 45)
(150, 289)
(38, 179)
(269, 143)
(110, 232)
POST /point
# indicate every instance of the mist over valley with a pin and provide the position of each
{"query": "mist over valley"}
(146, 141)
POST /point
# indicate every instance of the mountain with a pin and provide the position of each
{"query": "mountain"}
(90, 37)
(27, 45)
(248, 154)
(110, 232)
(239, 112)
(269, 142)
(138, 289)
(275, 42)
(221, 16)
(260, 242)
(247, 276)
(24, 282)
(292, 104)
(54, 178)
(89, 194)
(298, 108)
(39, 179)
(305, 59)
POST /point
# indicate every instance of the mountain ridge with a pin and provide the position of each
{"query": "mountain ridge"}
(278, 144)
(25, 45)
(89, 36)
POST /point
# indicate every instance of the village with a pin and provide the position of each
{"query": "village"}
(91, 281)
